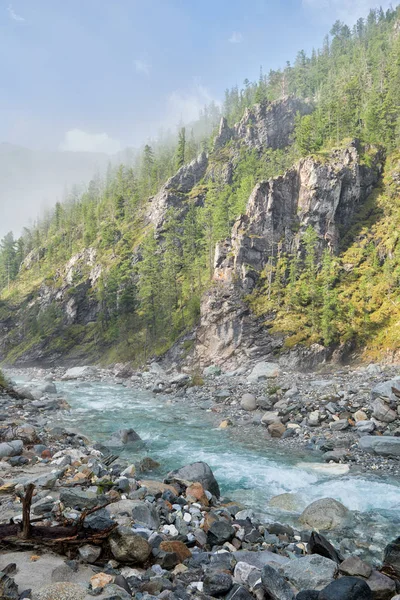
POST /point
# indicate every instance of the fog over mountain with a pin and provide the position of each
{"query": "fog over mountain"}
(33, 180)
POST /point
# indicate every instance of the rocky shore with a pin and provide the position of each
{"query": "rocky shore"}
(130, 535)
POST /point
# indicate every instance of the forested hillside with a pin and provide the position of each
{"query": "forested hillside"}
(118, 273)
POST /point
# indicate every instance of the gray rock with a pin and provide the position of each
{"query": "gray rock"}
(77, 498)
(99, 520)
(243, 572)
(382, 587)
(113, 592)
(8, 587)
(13, 448)
(89, 554)
(239, 592)
(219, 533)
(354, 566)
(79, 373)
(146, 515)
(276, 587)
(324, 514)
(248, 402)
(180, 379)
(384, 389)
(122, 438)
(43, 506)
(217, 583)
(340, 425)
(263, 370)
(259, 559)
(391, 556)
(310, 572)
(195, 472)
(365, 426)
(129, 547)
(381, 445)
(346, 588)
(382, 411)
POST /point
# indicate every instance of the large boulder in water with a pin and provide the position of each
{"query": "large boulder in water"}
(324, 514)
(198, 471)
(122, 437)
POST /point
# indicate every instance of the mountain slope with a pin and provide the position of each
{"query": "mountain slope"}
(303, 189)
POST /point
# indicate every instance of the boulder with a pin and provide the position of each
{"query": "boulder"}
(122, 437)
(346, 588)
(13, 448)
(243, 572)
(180, 379)
(146, 515)
(8, 587)
(276, 587)
(195, 472)
(382, 411)
(276, 430)
(290, 502)
(89, 554)
(340, 425)
(385, 445)
(99, 521)
(385, 389)
(391, 556)
(318, 544)
(217, 583)
(270, 417)
(239, 592)
(365, 426)
(129, 547)
(353, 566)
(81, 499)
(248, 402)
(324, 514)
(310, 572)
(219, 533)
(79, 373)
(263, 370)
(382, 587)
(360, 415)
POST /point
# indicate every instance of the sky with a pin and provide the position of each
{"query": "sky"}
(100, 75)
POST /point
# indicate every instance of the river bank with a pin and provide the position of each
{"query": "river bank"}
(82, 465)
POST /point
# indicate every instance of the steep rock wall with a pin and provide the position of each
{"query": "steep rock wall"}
(325, 195)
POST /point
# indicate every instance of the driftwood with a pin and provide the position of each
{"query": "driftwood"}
(60, 537)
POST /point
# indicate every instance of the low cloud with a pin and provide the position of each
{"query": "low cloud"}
(236, 38)
(185, 105)
(77, 140)
(13, 15)
(344, 9)
(141, 66)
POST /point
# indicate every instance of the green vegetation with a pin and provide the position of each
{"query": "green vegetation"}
(3, 381)
(147, 290)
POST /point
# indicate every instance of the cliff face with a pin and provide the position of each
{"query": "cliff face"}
(268, 125)
(325, 195)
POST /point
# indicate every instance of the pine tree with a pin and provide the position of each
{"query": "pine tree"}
(181, 149)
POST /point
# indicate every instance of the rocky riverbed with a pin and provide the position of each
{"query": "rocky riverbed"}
(178, 536)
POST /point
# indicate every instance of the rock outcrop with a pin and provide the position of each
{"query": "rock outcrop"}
(265, 125)
(172, 194)
(323, 194)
